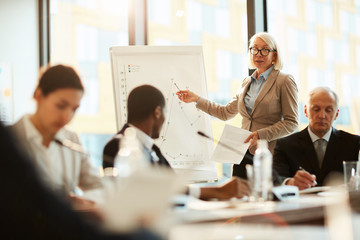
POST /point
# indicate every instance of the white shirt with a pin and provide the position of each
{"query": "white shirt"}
(255, 88)
(326, 137)
(146, 141)
(60, 167)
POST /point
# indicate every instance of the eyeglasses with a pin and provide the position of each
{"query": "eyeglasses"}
(263, 52)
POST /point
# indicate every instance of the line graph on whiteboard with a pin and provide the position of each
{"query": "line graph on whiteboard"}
(174, 104)
(168, 69)
(177, 115)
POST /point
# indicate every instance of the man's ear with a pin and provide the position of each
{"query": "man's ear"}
(157, 112)
(337, 114)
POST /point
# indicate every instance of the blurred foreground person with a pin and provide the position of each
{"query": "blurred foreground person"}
(29, 210)
(57, 97)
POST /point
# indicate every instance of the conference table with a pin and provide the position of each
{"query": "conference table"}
(311, 216)
(307, 209)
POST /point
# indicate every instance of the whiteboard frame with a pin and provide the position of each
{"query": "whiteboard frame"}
(116, 51)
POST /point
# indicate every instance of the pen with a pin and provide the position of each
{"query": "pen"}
(178, 89)
(177, 86)
(302, 169)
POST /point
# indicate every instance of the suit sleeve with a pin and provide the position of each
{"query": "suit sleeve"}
(109, 153)
(290, 113)
(220, 111)
(280, 161)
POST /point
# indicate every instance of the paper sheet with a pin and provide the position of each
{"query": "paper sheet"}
(200, 205)
(142, 197)
(234, 138)
(315, 189)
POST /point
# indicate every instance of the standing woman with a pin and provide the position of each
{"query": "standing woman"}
(267, 100)
(57, 97)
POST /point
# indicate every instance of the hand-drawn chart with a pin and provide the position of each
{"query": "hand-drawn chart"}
(168, 68)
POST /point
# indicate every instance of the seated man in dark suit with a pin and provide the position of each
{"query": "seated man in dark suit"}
(145, 108)
(319, 148)
(32, 211)
(145, 112)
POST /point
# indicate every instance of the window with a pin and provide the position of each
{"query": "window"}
(221, 28)
(319, 40)
(81, 33)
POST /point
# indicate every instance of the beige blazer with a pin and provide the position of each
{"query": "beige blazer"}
(275, 112)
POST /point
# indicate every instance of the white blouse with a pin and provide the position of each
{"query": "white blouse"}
(61, 168)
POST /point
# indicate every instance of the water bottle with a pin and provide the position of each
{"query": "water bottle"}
(130, 157)
(262, 172)
(129, 160)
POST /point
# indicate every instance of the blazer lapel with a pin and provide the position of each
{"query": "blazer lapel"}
(265, 89)
(310, 162)
(245, 87)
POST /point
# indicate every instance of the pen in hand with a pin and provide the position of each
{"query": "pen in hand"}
(178, 88)
(302, 169)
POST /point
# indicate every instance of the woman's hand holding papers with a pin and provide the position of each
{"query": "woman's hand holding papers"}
(252, 138)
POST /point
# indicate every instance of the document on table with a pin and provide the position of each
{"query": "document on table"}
(201, 205)
(315, 189)
(142, 197)
(234, 150)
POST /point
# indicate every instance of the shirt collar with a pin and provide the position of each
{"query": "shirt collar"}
(264, 75)
(32, 133)
(314, 137)
(145, 139)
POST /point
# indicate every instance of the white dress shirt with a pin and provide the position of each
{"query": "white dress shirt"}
(60, 167)
(144, 139)
(148, 142)
(326, 137)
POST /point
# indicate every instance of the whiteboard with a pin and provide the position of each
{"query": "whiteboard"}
(6, 94)
(163, 67)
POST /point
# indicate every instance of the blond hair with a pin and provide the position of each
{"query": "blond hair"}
(270, 41)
